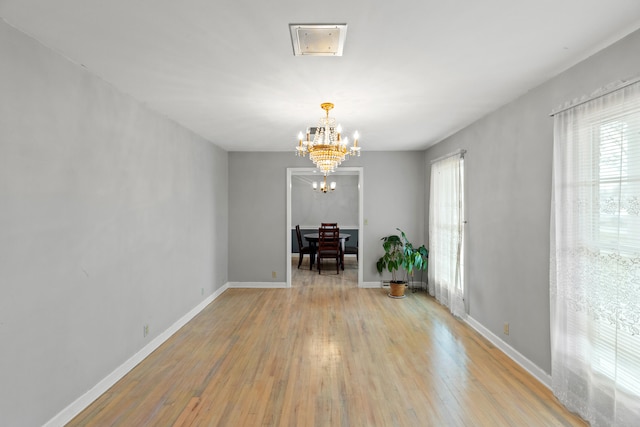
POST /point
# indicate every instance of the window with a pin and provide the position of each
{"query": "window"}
(619, 239)
(619, 177)
(595, 258)
(446, 233)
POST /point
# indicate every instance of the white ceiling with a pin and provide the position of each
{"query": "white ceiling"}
(413, 71)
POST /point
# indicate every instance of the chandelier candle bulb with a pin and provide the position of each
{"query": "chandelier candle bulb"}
(300, 150)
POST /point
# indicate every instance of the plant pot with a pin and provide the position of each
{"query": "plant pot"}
(396, 289)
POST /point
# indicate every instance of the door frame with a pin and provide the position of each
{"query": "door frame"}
(359, 171)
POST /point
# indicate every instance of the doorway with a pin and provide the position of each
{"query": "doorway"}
(302, 178)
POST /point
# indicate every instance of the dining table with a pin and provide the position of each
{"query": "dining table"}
(313, 238)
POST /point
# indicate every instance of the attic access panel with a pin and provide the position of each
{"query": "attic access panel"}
(318, 39)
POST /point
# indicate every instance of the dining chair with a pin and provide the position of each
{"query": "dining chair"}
(328, 246)
(329, 224)
(302, 249)
(352, 250)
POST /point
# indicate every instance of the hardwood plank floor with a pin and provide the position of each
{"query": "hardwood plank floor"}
(326, 353)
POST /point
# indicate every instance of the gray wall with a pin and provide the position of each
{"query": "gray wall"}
(393, 197)
(309, 208)
(111, 217)
(508, 182)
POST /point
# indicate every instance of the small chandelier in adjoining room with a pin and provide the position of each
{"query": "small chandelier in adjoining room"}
(323, 186)
(328, 149)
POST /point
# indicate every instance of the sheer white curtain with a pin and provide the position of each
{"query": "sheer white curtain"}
(595, 259)
(446, 207)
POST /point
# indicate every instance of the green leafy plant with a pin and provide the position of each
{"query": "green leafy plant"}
(400, 258)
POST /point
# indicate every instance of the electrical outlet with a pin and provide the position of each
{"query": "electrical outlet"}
(145, 330)
(506, 328)
(273, 274)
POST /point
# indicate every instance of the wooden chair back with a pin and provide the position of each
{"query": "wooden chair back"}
(299, 236)
(301, 248)
(329, 246)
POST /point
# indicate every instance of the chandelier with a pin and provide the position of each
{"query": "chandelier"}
(328, 149)
(323, 186)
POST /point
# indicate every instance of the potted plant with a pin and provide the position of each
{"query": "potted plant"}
(401, 259)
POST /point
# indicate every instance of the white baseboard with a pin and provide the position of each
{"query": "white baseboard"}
(68, 413)
(371, 285)
(259, 285)
(516, 356)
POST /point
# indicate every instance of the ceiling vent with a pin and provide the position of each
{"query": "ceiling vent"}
(318, 39)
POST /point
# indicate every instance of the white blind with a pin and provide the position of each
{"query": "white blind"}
(595, 265)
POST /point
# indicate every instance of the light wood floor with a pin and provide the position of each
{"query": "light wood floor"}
(326, 353)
